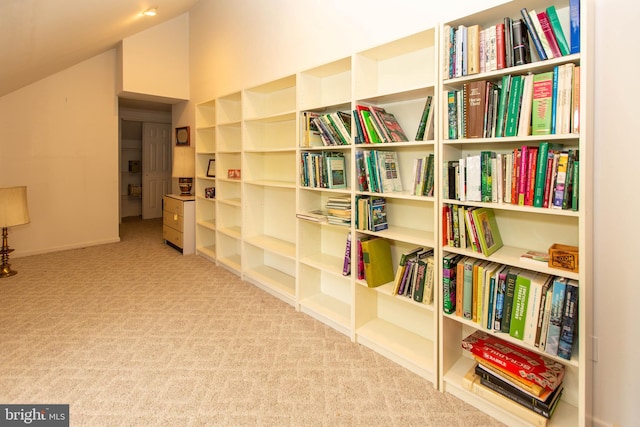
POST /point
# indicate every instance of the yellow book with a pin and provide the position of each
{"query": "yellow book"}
(378, 266)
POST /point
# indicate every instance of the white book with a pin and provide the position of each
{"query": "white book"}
(499, 182)
(462, 180)
(533, 307)
(524, 124)
(543, 39)
(474, 178)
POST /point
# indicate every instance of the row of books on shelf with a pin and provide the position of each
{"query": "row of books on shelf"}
(371, 213)
(415, 275)
(323, 169)
(524, 382)
(542, 176)
(378, 171)
(373, 125)
(337, 211)
(515, 41)
(471, 227)
(545, 103)
(537, 308)
(325, 129)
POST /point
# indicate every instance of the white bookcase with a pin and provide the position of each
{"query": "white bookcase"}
(251, 226)
(523, 227)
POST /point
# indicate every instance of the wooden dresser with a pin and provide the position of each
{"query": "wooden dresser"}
(178, 222)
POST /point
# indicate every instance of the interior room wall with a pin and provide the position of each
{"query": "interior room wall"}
(238, 44)
(60, 139)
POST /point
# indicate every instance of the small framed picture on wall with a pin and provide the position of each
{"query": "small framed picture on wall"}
(182, 136)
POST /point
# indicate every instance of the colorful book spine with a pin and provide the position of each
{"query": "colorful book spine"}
(533, 35)
(574, 25)
(552, 14)
(548, 34)
(569, 320)
(555, 317)
(520, 302)
(346, 266)
(541, 174)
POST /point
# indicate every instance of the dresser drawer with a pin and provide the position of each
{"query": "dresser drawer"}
(173, 205)
(173, 220)
(172, 235)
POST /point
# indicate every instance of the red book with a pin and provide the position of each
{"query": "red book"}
(526, 364)
(531, 175)
(522, 174)
(500, 52)
(549, 34)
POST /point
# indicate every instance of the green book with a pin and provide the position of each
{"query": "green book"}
(487, 229)
(541, 174)
(541, 103)
(557, 30)
(502, 105)
(575, 199)
(520, 302)
(510, 287)
(513, 108)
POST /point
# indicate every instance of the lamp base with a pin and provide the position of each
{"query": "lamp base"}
(185, 185)
(5, 269)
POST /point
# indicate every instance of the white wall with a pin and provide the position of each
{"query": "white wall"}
(60, 139)
(617, 205)
(236, 44)
(156, 62)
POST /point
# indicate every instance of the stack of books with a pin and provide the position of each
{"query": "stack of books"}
(338, 210)
(512, 376)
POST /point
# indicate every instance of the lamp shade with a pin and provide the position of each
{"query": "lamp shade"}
(13, 206)
(184, 162)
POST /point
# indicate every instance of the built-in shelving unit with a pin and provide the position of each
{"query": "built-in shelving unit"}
(251, 228)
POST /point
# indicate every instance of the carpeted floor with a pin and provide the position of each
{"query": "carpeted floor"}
(135, 334)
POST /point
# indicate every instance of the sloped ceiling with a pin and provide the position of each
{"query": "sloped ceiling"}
(42, 37)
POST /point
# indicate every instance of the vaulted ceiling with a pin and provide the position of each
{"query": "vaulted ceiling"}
(41, 37)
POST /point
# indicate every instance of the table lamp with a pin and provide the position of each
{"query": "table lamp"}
(184, 160)
(13, 211)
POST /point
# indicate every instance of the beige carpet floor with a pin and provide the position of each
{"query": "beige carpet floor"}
(135, 334)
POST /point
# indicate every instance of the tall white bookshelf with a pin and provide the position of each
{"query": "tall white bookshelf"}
(251, 226)
(524, 227)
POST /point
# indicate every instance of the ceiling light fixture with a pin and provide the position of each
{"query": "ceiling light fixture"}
(151, 11)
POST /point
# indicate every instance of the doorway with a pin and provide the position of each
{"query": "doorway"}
(145, 158)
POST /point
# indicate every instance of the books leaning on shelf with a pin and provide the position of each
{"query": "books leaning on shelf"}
(469, 49)
(414, 275)
(542, 176)
(375, 125)
(324, 169)
(425, 127)
(477, 225)
(376, 255)
(371, 213)
(325, 129)
(423, 173)
(378, 171)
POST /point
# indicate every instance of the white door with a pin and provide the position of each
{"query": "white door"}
(156, 167)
